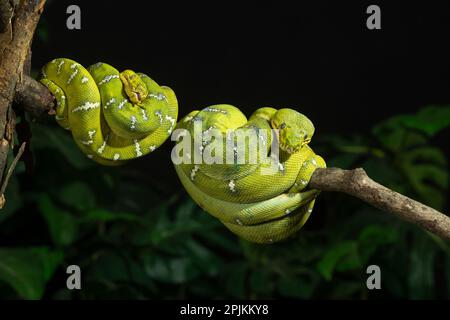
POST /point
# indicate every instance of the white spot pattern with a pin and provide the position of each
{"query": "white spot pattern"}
(87, 106)
(144, 115)
(152, 148)
(172, 123)
(108, 78)
(116, 157)
(84, 79)
(159, 115)
(102, 147)
(73, 74)
(210, 109)
(58, 71)
(122, 103)
(194, 171)
(111, 101)
(158, 96)
(133, 122)
(138, 148)
(232, 186)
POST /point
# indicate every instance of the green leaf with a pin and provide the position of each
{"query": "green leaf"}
(342, 256)
(421, 273)
(234, 277)
(28, 270)
(372, 237)
(175, 270)
(429, 120)
(56, 138)
(107, 216)
(300, 287)
(61, 224)
(78, 195)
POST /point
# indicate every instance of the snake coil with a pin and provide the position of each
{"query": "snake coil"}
(262, 208)
(113, 116)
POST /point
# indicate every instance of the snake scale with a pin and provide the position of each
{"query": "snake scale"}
(262, 208)
(113, 116)
(118, 116)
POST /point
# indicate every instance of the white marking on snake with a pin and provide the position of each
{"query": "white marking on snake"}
(159, 115)
(59, 118)
(122, 103)
(91, 133)
(72, 76)
(210, 109)
(58, 71)
(86, 142)
(54, 61)
(152, 148)
(84, 79)
(87, 106)
(232, 186)
(309, 210)
(111, 101)
(144, 115)
(194, 171)
(73, 66)
(102, 147)
(108, 78)
(172, 123)
(138, 148)
(133, 122)
(313, 161)
(280, 166)
(63, 97)
(116, 156)
(239, 222)
(304, 182)
(287, 211)
(98, 64)
(188, 118)
(158, 96)
(90, 156)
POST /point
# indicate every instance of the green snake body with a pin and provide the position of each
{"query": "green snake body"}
(262, 208)
(113, 116)
(117, 116)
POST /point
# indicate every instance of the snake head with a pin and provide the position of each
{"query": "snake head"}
(294, 129)
(134, 87)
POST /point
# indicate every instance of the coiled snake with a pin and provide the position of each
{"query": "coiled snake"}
(118, 116)
(113, 116)
(259, 207)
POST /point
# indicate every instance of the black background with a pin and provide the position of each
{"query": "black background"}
(317, 57)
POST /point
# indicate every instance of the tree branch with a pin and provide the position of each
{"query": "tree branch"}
(356, 183)
(18, 20)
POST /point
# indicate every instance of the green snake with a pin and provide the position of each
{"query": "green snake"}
(113, 116)
(262, 208)
(118, 116)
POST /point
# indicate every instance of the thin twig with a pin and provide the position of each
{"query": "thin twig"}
(9, 174)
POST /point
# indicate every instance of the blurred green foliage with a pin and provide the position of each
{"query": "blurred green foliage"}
(134, 240)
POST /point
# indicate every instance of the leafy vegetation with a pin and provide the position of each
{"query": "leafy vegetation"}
(134, 239)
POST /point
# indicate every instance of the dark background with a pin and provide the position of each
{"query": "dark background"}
(134, 231)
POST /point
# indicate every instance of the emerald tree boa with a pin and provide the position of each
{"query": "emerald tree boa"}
(113, 116)
(118, 116)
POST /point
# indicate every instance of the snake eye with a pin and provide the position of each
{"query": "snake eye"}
(283, 125)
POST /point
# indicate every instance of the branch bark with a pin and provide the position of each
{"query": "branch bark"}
(356, 183)
(18, 20)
